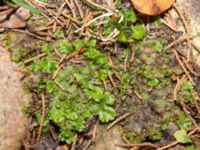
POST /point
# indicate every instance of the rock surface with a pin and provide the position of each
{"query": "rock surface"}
(15, 20)
(12, 100)
(192, 9)
(106, 139)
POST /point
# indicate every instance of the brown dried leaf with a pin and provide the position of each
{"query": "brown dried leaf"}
(152, 7)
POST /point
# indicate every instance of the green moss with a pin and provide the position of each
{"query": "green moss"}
(16, 55)
(155, 133)
(9, 40)
(133, 137)
(158, 45)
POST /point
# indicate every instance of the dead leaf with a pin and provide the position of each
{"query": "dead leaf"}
(15, 20)
(152, 7)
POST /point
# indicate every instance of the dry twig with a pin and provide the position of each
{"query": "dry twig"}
(118, 120)
(34, 58)
(178, 85)
(42, 119)
(138, 145)
(74, 143)
(183, 67)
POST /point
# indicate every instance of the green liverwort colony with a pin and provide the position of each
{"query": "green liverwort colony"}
(75, 93)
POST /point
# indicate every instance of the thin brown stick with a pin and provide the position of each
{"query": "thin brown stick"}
(94, 133)
(138, 145)
(59, 85)
(74, 143)
(52, 13)
(105, 85)
(176, 42)
(70, 18)
(187, 113)
(137, 94)
(33, 138)
(88, 145)
(34, 58)
(187, 29)
(196, 47)
(180, 13)
(118, 120)
(183, 67)
(42, 119)
(126, 140)
(4, 8)
(110, 62)
(197, 106)
(178, 85)
(117, 76)
(166, 23)
(125, 63)
(54, 27)
(25, 145)
(189, 68)
(29, 33)
(75, 53)
(98, 6)
(71, 9)
(56, 72)
(111, 79)
(168, 146)
(79, 9)
(47, 34)
(132, 56)
(60, 10)
(43, 28)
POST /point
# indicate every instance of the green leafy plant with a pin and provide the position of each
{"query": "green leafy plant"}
(182, 137)
(76, 94)
(187, 91)
(138, 32)
(158, 45)
(69, 109)
(44, 65)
